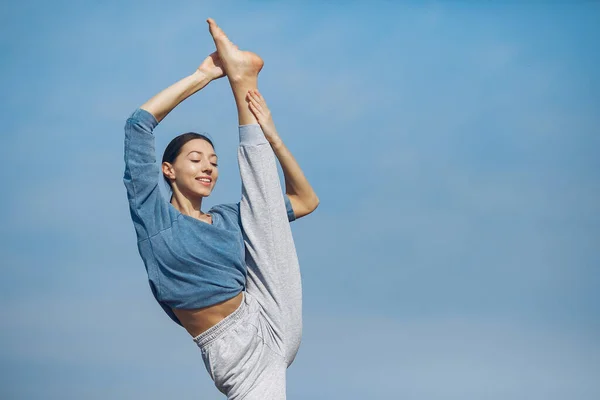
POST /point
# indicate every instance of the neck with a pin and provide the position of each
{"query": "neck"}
(185, 205)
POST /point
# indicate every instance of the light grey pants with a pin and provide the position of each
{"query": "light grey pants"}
(248, 352)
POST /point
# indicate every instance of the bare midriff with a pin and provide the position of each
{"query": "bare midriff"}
(199, 320)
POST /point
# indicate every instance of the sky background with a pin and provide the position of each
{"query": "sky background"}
(454, 147)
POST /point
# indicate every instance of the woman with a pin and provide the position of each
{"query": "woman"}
(229, 276)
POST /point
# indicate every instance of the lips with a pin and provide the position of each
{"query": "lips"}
(204, 180)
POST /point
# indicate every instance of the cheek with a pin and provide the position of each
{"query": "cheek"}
(192, 168)
(186, 172)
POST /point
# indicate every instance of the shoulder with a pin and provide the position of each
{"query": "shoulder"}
(231, 210)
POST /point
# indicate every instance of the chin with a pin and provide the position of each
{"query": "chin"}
(205, 193)
(202, 191)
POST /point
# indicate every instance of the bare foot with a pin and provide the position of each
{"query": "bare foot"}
(239, 65)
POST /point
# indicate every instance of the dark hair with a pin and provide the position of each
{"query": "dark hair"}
(174, 147)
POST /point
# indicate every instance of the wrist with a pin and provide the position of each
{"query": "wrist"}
(201, 77)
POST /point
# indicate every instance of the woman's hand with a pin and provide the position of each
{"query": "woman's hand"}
(212, 67)
(166, 100)
(301, 194)
(259, 108)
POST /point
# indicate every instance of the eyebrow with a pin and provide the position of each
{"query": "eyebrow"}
(196, 151)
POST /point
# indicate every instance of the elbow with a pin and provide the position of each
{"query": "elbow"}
(303, 205)
(313, 203)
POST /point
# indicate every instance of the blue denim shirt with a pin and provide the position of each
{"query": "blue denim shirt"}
(190, 263)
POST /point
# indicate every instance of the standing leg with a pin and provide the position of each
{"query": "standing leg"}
(273, 269)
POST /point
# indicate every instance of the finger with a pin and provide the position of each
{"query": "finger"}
(252, 98)
(254, 111)
(253, 105)
(260, 96)
(258, 107)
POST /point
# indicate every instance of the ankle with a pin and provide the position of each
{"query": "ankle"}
(242, 83)
(238, 79)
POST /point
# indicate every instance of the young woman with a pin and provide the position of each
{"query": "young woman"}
(229, 276)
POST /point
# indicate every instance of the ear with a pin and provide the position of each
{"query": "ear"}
(168, 170)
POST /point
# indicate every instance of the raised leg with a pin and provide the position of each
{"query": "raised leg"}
(273, 268)
(241, 68)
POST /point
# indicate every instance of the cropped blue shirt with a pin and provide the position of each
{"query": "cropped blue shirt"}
(190, 263)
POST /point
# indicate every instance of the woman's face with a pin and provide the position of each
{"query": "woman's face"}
(194, 172)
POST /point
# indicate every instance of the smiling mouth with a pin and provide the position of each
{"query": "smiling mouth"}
(204, 181)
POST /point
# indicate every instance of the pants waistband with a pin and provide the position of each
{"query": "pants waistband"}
(215, 331)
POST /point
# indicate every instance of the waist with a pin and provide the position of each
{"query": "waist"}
(199, 320)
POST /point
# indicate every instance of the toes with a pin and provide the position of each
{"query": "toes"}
(212, 24)
(215, 30)
(224, 45)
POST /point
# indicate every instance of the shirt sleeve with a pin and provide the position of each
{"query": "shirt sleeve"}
(149, 210)
(289, 209)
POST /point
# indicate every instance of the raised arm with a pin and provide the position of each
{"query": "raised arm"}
(164, 102)
(302, 197)
(149, 212)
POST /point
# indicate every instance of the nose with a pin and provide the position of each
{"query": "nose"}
(207, 167)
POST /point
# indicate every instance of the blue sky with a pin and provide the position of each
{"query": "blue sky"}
(454, 148)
